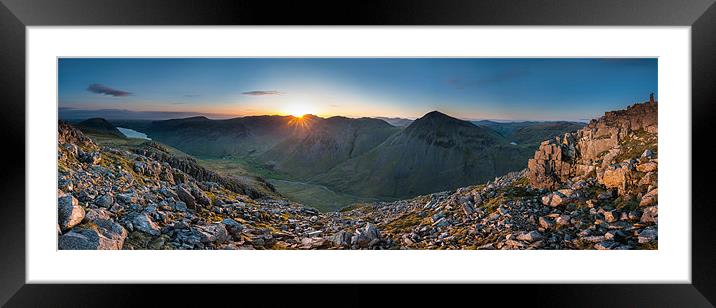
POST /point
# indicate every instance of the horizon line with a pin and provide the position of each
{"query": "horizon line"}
(216, 116)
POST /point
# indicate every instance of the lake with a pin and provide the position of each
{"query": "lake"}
(130, 133)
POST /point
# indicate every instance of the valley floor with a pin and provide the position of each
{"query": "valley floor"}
(310, 194)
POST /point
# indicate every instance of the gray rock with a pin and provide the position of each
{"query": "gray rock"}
(648, 235)
(91, 158)
(371, 231)
(103, 235)
(341, 239)
(530, 236)
(233, 227)
(69, 212)
(314, 233)
(650, 215)
(200, 197)
(213, 233)
(313, 242)
(127, 198)
(185, 196)
(104, 201)
(594, 238)
(180, 206)
(168, 193)
(142, 222)
(647, 154)
(96, 214)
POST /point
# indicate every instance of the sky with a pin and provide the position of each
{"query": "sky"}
(511, 89)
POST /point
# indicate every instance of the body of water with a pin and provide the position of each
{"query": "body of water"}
(130, 133)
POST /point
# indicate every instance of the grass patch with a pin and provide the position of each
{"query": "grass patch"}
(648, 246)
(492, 204)
(633, 147)
(405, 223)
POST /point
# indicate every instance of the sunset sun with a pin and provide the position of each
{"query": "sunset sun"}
(299, 110)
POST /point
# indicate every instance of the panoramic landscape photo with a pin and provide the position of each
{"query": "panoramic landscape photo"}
(357, 153)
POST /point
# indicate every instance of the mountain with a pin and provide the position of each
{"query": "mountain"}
(239, 136)
(99, 126)
(596, 188)
(365, 157)
(325, 144)
(299, 147)
(397, 122)
(530, 132)
(435, 152)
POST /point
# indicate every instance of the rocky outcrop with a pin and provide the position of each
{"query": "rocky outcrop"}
(594, 148)
(191, 168)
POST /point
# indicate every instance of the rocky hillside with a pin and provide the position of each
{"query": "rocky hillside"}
(595, 188)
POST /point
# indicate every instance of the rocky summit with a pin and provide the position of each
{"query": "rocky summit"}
(595, 188)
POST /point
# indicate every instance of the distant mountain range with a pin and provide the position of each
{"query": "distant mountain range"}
(530, 132)
(371, 157)
(397, 122)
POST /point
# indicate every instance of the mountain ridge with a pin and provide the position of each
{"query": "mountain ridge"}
(111, 198)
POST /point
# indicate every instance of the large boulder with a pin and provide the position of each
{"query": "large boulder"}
(233, 227)
(69, 212)
(186, 197)
(341, 239)
(647, 167)
(617, 176)
(213, 233)
(100, 234)
(554, 199)
(142, 222)
(366, 237)
(201, 197)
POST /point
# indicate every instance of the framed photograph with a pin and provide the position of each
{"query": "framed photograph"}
(410, 143)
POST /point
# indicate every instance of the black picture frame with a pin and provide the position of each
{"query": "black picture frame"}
(16, 15)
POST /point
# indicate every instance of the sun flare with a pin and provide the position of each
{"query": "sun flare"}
(299, 110)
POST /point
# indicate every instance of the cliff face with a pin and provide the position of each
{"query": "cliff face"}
(595, 148)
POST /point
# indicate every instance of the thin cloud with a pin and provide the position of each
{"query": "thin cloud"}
(260, 93)
(102, 89)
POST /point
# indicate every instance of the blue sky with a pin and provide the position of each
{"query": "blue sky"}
(482, 88)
